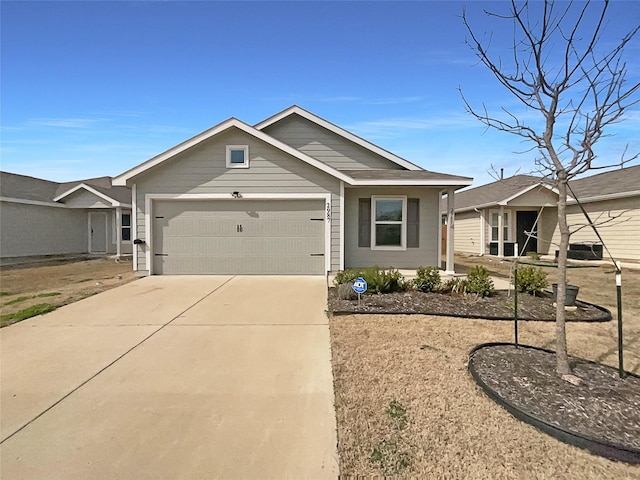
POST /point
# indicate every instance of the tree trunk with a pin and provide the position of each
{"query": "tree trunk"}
(562, 359)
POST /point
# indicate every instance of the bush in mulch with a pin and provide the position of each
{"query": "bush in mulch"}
(499, 306)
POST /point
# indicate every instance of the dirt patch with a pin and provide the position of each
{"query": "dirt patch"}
(499, 306)
(59, 283)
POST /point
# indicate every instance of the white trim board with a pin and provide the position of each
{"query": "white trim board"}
(151, 197)
(32, 202)
(88, 188)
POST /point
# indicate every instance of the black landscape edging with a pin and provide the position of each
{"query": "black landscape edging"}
(604, 318)
(596, 446)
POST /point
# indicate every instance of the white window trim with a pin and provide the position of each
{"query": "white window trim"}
(244, 148)
(506, 224)
(116, 232)
(403, 223)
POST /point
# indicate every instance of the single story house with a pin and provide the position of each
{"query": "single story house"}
(293, 194)
(519, 215)
(40, 217)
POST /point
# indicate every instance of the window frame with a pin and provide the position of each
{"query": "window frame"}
(231, 148)
(115, 231)
(506, 225)
(123, 227)
(402, 223)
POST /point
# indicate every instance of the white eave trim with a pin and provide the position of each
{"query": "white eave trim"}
(338, 131)
(609, 196)
(114, 203)
(405, 183)
(31, 202)
(121, 180)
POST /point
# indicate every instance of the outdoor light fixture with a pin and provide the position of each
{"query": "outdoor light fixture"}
(235, 194)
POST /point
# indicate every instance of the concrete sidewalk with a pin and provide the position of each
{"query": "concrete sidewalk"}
(173, 377)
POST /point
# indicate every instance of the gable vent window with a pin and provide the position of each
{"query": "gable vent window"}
(237, 156)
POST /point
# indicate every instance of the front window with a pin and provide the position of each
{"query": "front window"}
(389, 223)
(495, 225)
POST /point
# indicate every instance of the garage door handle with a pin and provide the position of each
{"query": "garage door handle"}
(317, 219)
(317, 254)
(161, 254)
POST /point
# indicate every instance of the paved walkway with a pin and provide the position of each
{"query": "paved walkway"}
(173, 377)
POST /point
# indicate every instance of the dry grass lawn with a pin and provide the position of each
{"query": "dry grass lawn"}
(407, 406)
(59, 283)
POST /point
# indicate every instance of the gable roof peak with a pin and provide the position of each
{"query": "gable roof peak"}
(312, 117)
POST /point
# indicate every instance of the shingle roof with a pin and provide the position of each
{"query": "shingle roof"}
(620, 181)
(402, 175)
(495, 192)
(13, 185)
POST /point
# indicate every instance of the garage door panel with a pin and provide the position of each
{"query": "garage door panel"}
(239, 237)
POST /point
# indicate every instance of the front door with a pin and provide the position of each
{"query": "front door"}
(97, 232)
(525, 222)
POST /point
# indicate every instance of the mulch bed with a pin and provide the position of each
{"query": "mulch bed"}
(497, 307)
(604, 407)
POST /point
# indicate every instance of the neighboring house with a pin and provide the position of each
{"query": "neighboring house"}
(293, 194)
(39, 217)
(494, 219)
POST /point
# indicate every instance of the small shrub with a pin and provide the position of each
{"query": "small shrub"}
(383, 281)
(346, 276)
(378, 280)
(531, 280)
(455, 286)
(478, 281)
(346, 292)
(428, 279)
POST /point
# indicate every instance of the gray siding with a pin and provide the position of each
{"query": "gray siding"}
(40, 230)
(326, 146)
(425, 255)
(202, 170)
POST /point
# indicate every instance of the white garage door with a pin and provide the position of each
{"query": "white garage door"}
(239, 237)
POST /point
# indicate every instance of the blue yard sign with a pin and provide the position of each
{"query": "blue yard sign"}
(359, 286)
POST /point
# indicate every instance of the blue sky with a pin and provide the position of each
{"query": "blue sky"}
(95, 88)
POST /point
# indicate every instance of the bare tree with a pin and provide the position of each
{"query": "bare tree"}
(558, 69)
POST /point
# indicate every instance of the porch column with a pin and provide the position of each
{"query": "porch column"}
(118, 231)
(483, 229)
(501, 232)
(450, 266)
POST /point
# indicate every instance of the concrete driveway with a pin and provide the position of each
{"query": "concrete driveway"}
(173, 377)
